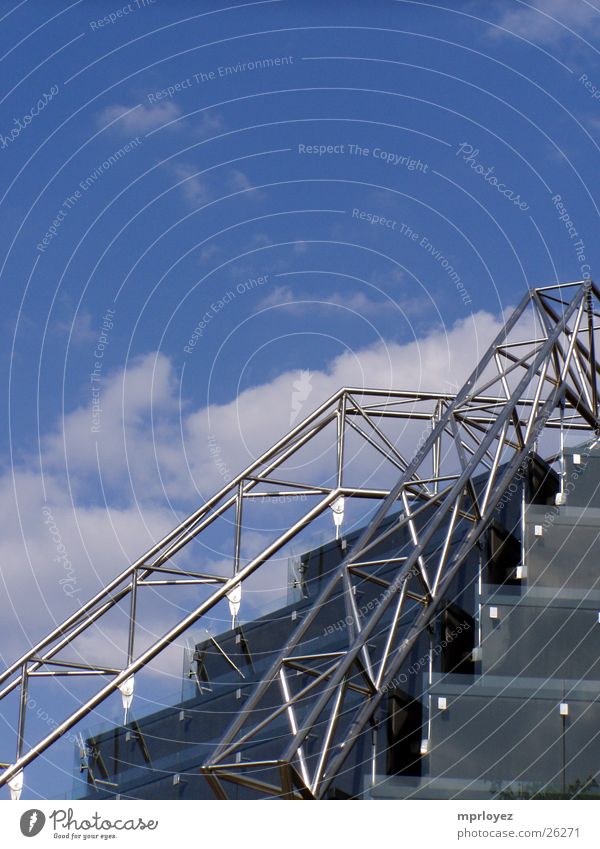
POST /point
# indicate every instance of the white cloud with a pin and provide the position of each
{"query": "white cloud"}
(139, 119)
(139, 415)
(55, 553)
(357, 302)
(435, 361)
(208, 124)
(150, 445)
(200, 188)
(549, 21)
(80, 329)
(278, 296)
(143, 118)
(207, 253)
(194, 187)
(239, 181)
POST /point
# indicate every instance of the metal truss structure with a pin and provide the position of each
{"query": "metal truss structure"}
(539, 374)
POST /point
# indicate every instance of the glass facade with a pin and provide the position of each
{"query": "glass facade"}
(500, 699)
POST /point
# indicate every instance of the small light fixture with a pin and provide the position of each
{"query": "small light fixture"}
(424, 747)
(338, 514)
(521, 573)
(476, 654)
(564, 709)
(15, 785)
(126, 689)
(577, 459)
(538, 530)
(493, 612)
(234, 597)
(442, 703)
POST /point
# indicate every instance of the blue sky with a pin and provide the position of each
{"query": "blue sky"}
(201, 202)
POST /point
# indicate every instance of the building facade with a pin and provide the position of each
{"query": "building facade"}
(500, 699)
